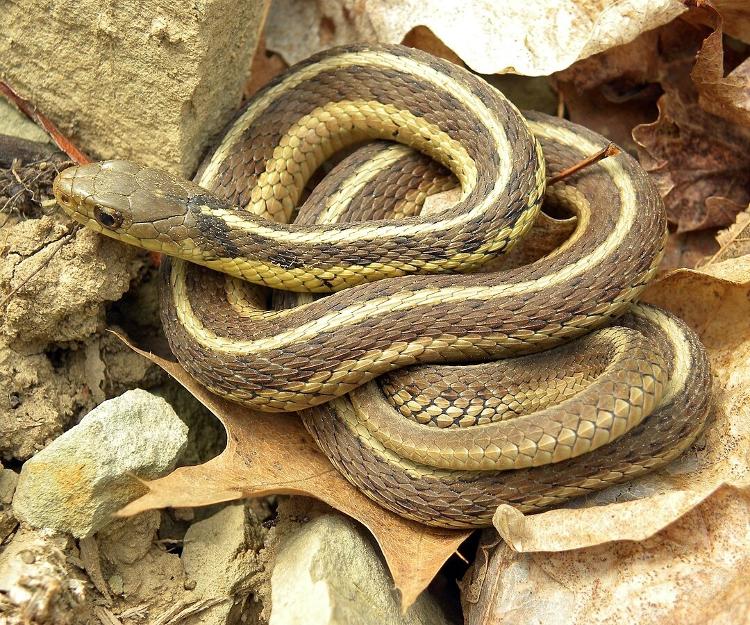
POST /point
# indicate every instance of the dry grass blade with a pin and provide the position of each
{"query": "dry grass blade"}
(105, 616)
(185, 609)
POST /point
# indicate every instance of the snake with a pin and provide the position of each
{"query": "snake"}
(440, 377)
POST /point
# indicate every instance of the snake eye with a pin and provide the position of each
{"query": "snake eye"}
(107, 217)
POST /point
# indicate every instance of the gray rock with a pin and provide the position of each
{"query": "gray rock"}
(16, 124)
(329, 574)
(78, 481)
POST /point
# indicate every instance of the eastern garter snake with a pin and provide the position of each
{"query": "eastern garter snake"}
(384, 314)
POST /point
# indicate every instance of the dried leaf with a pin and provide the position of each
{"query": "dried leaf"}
(688, 249)
(530, 37)
(700, 163)
(694, 571)
(736, 18)
(727, 97)
(614, 91)
(265, 66)
(273, 454)
(735, 240)
(683, 533)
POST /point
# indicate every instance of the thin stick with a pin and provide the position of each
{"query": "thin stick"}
(610, 150)
(28, 109)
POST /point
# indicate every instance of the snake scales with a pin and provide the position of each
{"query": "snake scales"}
(437, 445)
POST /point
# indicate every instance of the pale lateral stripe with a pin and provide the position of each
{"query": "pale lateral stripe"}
(343, 407)
(424, 71)
(365, 58)
(339, 202)
(301, 150)
(681, 359)
(408, 300)
(439, 147)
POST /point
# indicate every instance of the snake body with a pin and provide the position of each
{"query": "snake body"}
(384, 314)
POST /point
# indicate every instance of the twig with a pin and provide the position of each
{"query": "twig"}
(32, 113)
(139, 610)
(609, 150)
(41, 266)
(183, 609)
(461, 556)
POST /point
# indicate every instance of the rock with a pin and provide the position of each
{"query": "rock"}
(329, 574)
(66, 300)
(138, 569)
(77, 482)
(149, 81)
(39, 583)
(16, 124)
(49, 384)
(126, 541)
(8, 482)
(219, 557)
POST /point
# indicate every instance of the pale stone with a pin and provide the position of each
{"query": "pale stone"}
(146, 80)
(16, 124)
(328, 573)
(219, 557)
(85, 475)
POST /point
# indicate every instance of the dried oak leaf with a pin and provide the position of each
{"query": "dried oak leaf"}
(273, 454)
(714, 302)
(688, 249)
(681, 536)
(530, 37)
(736, 18)
(265, 66)
(614, 91)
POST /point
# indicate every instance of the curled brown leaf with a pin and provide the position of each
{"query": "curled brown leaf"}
(725, 96)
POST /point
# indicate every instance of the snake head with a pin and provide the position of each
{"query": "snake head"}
(138, 205)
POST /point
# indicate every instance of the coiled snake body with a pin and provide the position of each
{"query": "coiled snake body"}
(437, 445)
